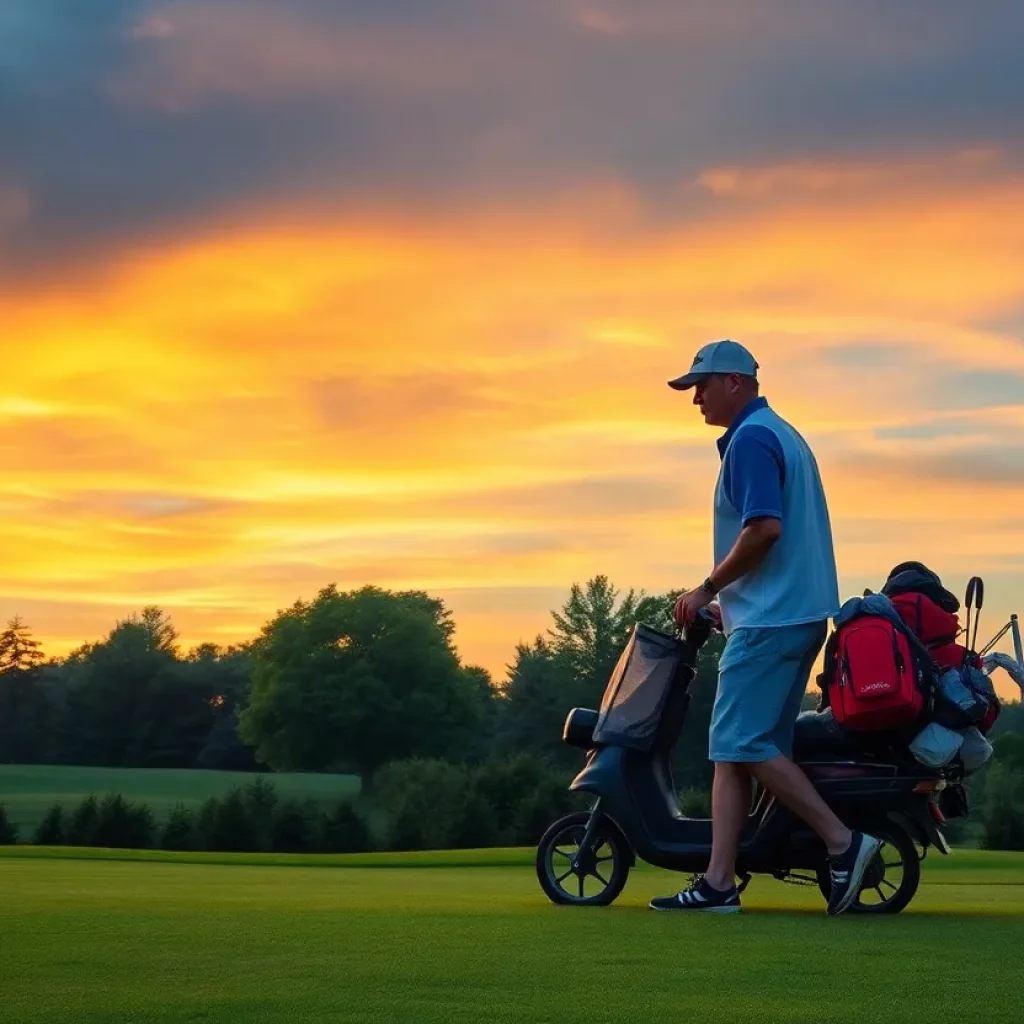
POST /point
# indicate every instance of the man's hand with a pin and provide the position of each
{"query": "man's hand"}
(689, 604)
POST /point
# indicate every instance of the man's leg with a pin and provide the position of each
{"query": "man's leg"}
(730, 799)
(730, 805)
(788, 783)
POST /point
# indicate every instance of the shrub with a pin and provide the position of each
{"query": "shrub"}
(1004, 799)
(435, 805)
(547, 802)
(505, 784)
(475, 826)
(422, 799)
(292, 828)
(260, 798)
(51, 829)
(181, 830)
(121, 824)
(344, 831)
(227, 826)
(406, 830)
(8, 830)
(206, 822)
(82, 827)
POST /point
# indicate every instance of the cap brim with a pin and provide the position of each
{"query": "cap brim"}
(687, 381)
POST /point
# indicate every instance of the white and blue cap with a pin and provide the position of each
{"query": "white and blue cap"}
(718, 357)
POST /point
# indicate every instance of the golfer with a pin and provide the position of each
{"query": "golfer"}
(776, 587)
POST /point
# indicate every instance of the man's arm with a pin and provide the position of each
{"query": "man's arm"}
(756, 539)
(754, 487)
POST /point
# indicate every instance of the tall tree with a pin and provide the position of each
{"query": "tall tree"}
(18, 648)
(537, 697)
(590, 631)
(228, 671)
(121, 698)
(26, 711)
(353, 680)
(162, 635)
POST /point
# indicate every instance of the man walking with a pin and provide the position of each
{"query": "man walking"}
(776, 583)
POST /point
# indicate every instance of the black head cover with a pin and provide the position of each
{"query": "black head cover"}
(917, 578)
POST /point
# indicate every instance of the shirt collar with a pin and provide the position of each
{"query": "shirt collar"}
(747, 410)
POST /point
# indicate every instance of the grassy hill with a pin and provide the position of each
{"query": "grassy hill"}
(28, 790)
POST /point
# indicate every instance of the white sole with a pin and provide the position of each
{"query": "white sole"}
(696, 910)
(864, 857)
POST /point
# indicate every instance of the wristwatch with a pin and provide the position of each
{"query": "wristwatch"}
(708, 587)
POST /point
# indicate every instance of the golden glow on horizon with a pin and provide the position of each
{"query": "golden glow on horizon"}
(478, 406)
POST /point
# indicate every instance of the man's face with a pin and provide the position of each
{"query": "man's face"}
(716, 397)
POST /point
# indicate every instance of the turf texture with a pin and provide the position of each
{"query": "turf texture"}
(93, 936)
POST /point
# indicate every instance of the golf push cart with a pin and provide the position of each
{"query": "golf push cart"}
(871, 782)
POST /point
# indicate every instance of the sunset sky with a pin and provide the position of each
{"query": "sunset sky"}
(300, 292)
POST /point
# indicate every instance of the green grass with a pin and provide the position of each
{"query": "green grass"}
(473, 939)
(28, 790)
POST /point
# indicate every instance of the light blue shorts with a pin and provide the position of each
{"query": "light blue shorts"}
(762, 679)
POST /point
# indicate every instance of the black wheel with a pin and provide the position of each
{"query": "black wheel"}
(891, 879)
(582, 878)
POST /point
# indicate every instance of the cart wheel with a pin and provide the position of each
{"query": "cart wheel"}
(891, 879)
(582, 878)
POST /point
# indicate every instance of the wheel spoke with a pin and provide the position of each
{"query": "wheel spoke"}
(581, 886)
(562, 853)
(601, 860)
(881, 895)
(893, 864)
(597, 874)
(885, 881)
(562, 878)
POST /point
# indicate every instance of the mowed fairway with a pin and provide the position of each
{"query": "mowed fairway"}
(28, 790)
(119, 940)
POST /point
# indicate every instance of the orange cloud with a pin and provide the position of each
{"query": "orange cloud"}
(477, 405)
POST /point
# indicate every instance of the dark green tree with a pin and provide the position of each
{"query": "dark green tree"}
(226, 824)
(122, 824)
(292, 829)
(1008, 750)
(81, 830)
(8, 830)
(353, 680)
(26, 710)
(539, 694)
(180, 831)
(227, 672)
(342, 830)
(18, 648)
(117, 709)
(1004, 797)
(50, 831)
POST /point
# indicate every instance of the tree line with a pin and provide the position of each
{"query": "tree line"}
(369, 681)
(347, 682)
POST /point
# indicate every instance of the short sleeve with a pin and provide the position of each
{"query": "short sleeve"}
(756, 474)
